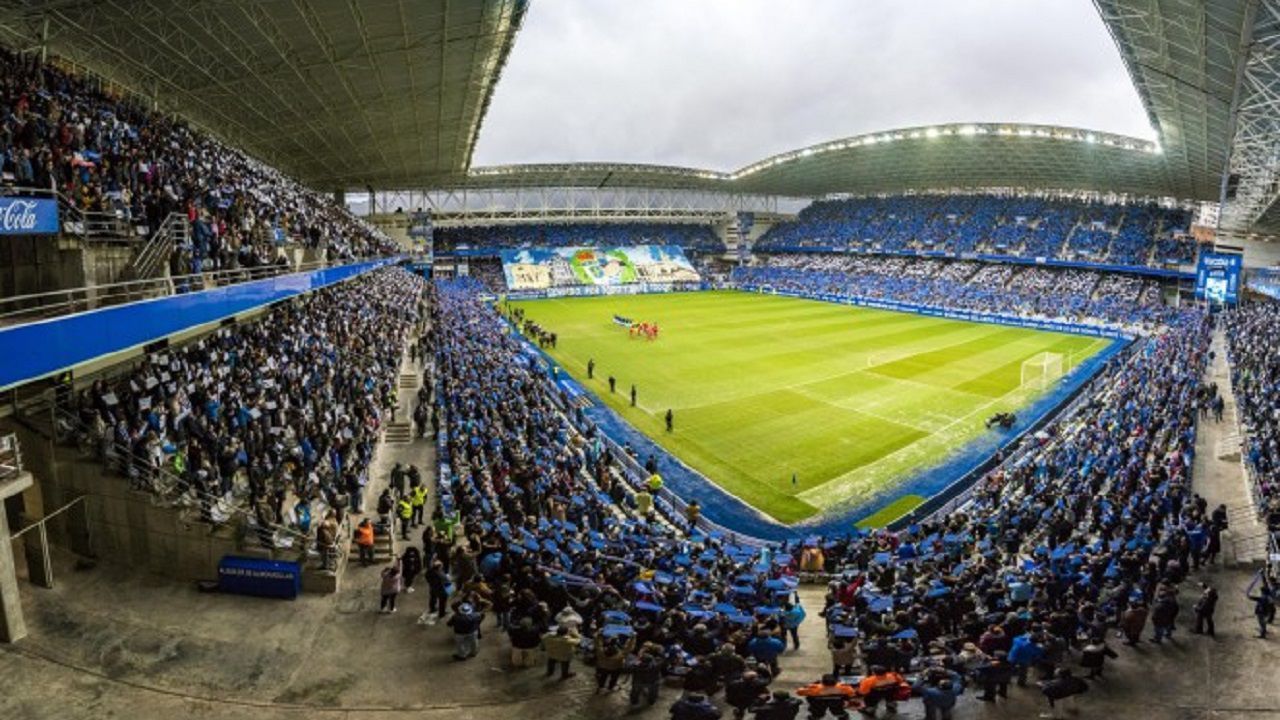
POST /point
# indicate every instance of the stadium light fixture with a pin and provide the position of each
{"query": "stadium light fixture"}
(932, 132)
(1091, 138)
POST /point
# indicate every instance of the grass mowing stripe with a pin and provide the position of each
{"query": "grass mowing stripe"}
(767, 386)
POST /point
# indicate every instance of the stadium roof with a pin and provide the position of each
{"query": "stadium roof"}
(391, 93)
(1183, 57)
(942, 157)
(339, 93)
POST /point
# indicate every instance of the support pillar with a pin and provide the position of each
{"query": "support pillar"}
(12, 626)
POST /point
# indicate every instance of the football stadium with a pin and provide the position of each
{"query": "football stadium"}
(666, 359)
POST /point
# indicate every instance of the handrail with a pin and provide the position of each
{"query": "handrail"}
(10, 456)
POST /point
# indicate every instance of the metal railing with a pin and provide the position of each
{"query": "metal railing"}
(166, 488)
(10, 457)
(88, 225)
(153, 256)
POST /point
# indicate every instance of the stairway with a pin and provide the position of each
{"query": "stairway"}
(400, 432)
(384, 547)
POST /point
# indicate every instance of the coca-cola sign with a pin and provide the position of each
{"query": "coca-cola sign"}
(28, 216)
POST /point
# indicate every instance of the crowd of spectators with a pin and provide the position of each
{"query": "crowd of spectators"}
(698, 238)
(1067, 229)
(107, 154)
(1088, 528)
(280, 415)
(1044, 292)
(1252, 335)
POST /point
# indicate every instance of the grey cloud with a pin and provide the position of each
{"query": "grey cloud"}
(720, 83)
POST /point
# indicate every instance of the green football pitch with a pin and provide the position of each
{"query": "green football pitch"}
(848, 400)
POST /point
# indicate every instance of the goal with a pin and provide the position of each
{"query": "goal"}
(1041, 370)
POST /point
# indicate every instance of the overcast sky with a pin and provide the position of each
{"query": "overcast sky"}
(720, 83)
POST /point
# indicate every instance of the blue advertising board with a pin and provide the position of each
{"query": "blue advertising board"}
(70, 340)
(260, 577)
(1218, 277)
(20, 215)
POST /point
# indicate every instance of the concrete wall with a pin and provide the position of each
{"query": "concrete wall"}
(30, 265)
(118, 524)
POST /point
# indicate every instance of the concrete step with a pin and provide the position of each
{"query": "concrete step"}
(399, 433)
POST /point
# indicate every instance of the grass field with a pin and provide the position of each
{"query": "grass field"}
(848, 399)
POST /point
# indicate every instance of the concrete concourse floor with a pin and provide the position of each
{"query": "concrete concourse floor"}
(112, 642)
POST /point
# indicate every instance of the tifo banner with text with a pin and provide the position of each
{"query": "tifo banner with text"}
(544, 268)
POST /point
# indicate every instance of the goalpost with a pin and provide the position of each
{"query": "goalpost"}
(1042, 370)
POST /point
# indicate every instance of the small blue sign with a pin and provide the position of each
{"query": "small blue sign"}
(28, 216)
(260, 577)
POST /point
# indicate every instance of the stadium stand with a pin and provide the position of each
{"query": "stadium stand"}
(1070, 230)
(262, 417)
(1071, 294)
(62, 133)
(556, 521)
(698, 238)
(1252, 335)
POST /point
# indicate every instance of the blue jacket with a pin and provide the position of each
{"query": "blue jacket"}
(793, 617)
(765, 649)
(1025, 651)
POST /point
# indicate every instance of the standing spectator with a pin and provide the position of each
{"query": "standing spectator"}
(766, 648)
(1061, 691)
(1264, 608)
(694, 706)
(1205, 606)
(437, 594)
(994, 676)
(466, 627)
(525, 639)
(611, 654)
(411, 566)
(940, 698)
(364, 542)
(1163, 615)
(828, 696)
(646, 676)
(392, 583)
(560, 647)
(780, 707)
(792, 616)
(1094, 656)
(745, 692)
(882, 685)
(1132, 621)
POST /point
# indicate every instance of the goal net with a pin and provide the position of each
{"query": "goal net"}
(1042, 370)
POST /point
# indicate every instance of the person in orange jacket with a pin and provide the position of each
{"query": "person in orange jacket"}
(364, 541)
(881, 684)
(828, 696)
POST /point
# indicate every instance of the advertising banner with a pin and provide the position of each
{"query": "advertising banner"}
(1218, 277)
(28, 216)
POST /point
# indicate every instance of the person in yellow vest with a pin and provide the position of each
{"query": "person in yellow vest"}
(404, 508)
(418, 499)
(655, 483)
